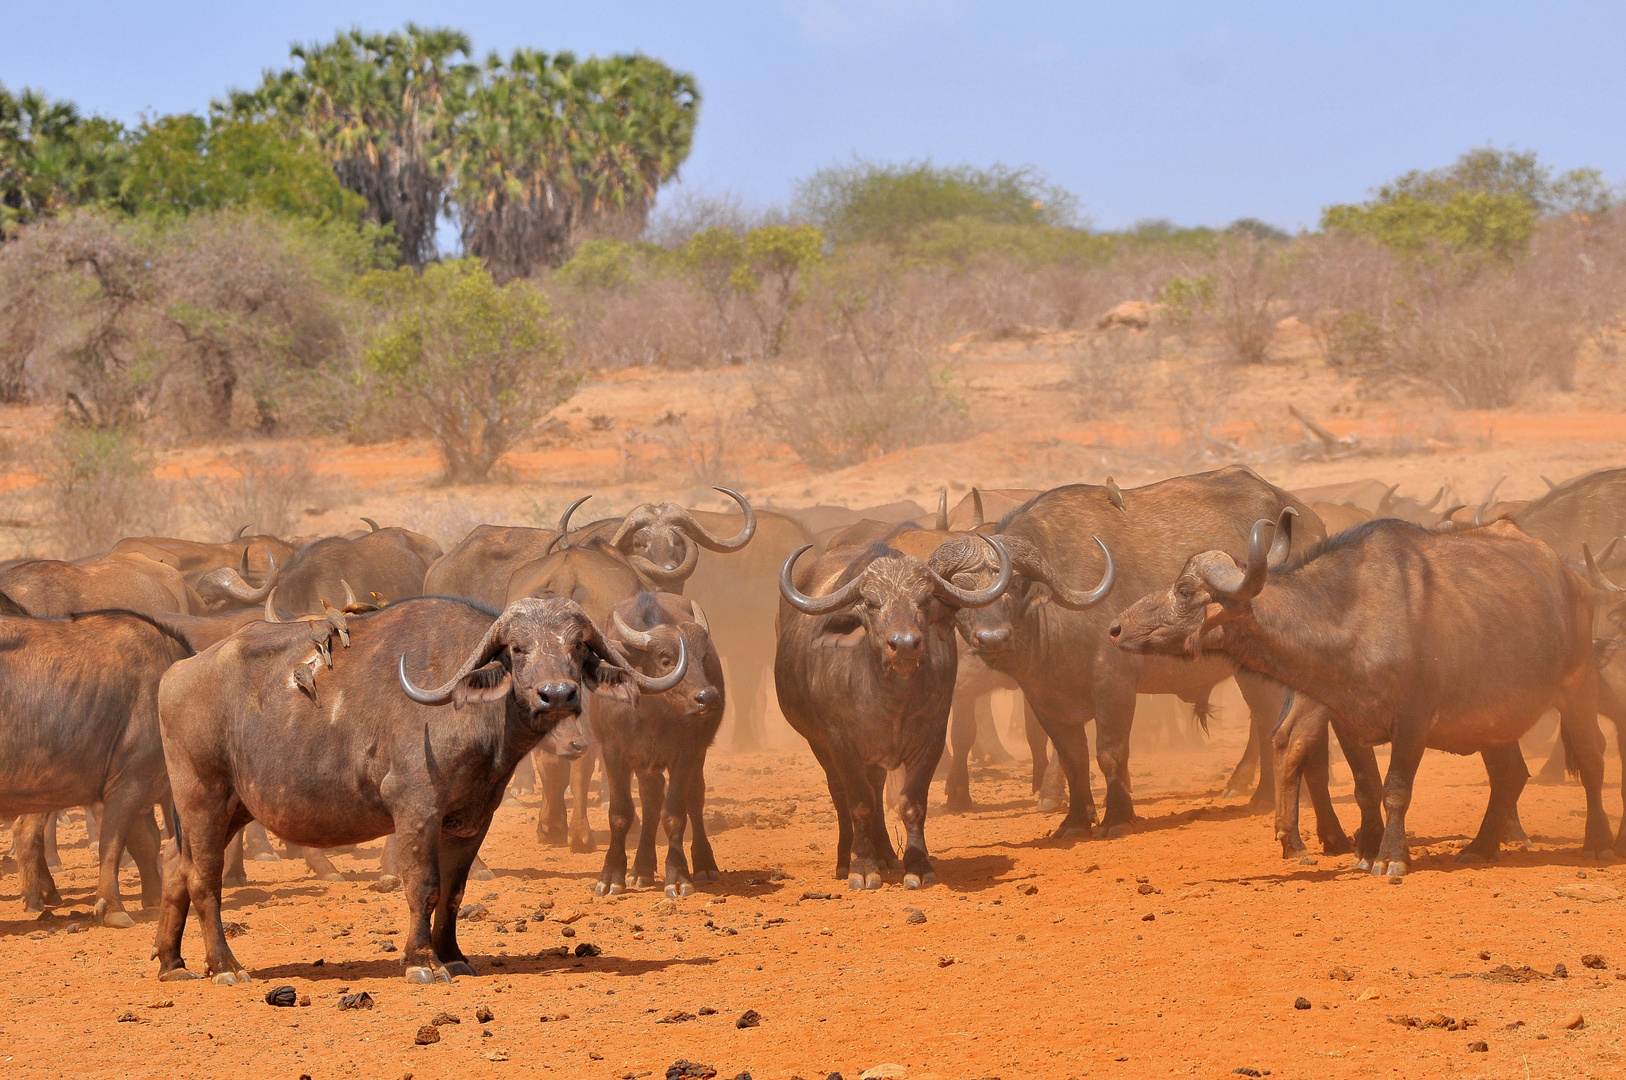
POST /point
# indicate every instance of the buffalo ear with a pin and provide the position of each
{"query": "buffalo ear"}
(608, 681)
(1038, 593)
(489, 683)
(842, 630)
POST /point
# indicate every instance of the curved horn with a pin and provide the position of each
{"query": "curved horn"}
(1608, 550)
(1387, 501)
(660, 574)
(1490, 496)
(223, 581)
(1597, 577)
(349, 594)
(942, 510)
(1451, 510)
(1035, 566)
(241, 529)
(700, 617)
(564, 524)
(813, 605)
(478, 658)
(1245, 584)
(271, 606)
(976, 508)
(1438, 495)
(638, 639)
(371, 524)
(646, 683)
(1282, 546)
(1549, 483)
(1479, 513)
(706, 540)
(966, 597)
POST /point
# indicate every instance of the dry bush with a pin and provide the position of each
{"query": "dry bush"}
(658, 320)
(99, 488)
(1345, 290)
(861, 382)
(708, 444)
(1200, 395)
(269, 494)
(1245, 298)
(1109, 370)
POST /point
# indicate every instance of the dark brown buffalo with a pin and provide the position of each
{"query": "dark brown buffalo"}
(479, 567)
(79, 725)
(390, 563)
(252, 553)
(597, 580)
(369, 753)
(979, 506)
(865, 672)
(662, 740)
(1456, 640)
(1374, 498)
(1588, 509)
(131, 582)
(1053, 640)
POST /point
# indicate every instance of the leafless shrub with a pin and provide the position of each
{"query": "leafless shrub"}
(865, 385)
(1245, 298)
(1201, 396)
(268, 493)
(708, 444)
(99, 488)
(1345, 290)
(1109, 369)
(660, 320)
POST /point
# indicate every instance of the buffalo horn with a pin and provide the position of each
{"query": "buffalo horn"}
(1387, 501)
(813, 605)
(663, 576)
(966, 597)
(976, 508)
(1282, 546)
(638, 639)
(646, 683)
(1233, 584)
(1596, 575)
(1451, 510)
(223, 580)
(1432, 503)
(371, 524)
(705, 539)
(1490, 496)
(1036, 567)
(1549, 483)
(700, 617)
(488, 646)
(271, 606)
(349, 594)
(241, 529)
(564, 524)
(942, 510)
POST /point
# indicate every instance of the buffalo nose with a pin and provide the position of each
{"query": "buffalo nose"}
(558, 695)
(905, 641)
(579, 746)
(993, 639)
(708, 697)
(1115, 629)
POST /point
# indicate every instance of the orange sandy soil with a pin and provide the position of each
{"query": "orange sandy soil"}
(1037, 957)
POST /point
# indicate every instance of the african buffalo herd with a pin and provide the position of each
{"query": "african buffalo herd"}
(329, 691)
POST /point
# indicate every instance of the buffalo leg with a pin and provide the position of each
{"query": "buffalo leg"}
(963, 730)
(1317, 775)
(1363, 765)
(193, 880)
(838, 798)
(652, 793)
(257, 844)
(988, 748)
(1553, 769)
(676, 817)
(316, 861)
(48, 849)
(551, 827)
(119, 811)
(38, 887)
(457, 854)
(613, 878)
(704, 859)
(1264, 698)
(1583, 749)
(1242, 776)
(581, 778)
(885, 854)
(143, 844)
(1508, 774)
(1294, 740)
(1114, 719)
(917, 864)
(1406, 753)
(524, 779)
(235, 874)
(418, 846)
(1038, 745)
(863, 793)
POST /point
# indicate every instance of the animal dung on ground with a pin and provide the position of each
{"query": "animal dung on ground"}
(471, 912)
(683, 1069)
(483, 1013)
(1339, 974)
(443, 1018)
(283, 997)
(427, 1034)
(1027, 888)
(1301, 1003)
(587, 948)
(750, 1018)
(127, 1017)
(676, 1016)
(1561, 970)
(916, 918)
(1478, 1046)
(363, 1000)
(706, 1010)
(1594, 961)
(387, 883)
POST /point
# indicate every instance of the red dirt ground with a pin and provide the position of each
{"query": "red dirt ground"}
(1052, 967)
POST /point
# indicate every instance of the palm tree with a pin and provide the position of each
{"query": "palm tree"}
(382, 107)
(552, 149)
(52, 158)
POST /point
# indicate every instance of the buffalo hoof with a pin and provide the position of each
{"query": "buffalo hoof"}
(1292, 847)
(859, 882)
(1361, 863)
(459, 967)
(479, 871)
(179, 974)
(960, 806)
(1382, 868)
(1470, 857)
(1602, 855)
(642, 881)
(1229, 793)
(919, 881)
(581, 846)
(602, 888)
(232, 978)
(332, 875)
(1342, 845)
(708, 875)
(266, 856)
(680, 889)
(1071, 832)
(235, 881)
(1113, 832)
(424, 976)
(119, 920)
(1050, 806)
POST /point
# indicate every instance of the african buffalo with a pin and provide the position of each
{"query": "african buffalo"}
(1456, 640)
(130, 582)
(390, 562)
(865, 672)
(662, 740)
(365, 752)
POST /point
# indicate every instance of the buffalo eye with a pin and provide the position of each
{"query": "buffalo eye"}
(1184, 591)
(666, 662)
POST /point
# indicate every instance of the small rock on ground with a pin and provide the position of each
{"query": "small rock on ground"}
(427, 1034)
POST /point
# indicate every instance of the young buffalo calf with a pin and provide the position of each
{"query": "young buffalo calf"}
(663, 739)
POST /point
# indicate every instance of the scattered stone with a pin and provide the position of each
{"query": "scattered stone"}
(1593, 960)
(552, 950)
(676, 1016)
(483, 1013)
(885, 1071)
(234, 929)
(1478, 1046)
(283, 997)
(546, 1019)
(567, 931)
(1243, 1070)
(1145, 889)
(443, 1018)
(812, 895)
(1369, 994)
(471, 912)
(164, 1004)
(1307, 861)
(1397, 881)
(1484, 954)
(1148, 917)
(666, 907)
(1560, 971)
(588, 949)
(489, 896)
(1596, 894)
(945, 961)
(1301, 1003)
(683, 1069)
(750, 1018)
(387, 946)
(706, 1010)
(916, 918)
(363, 1000)
(304, 1001)
(1339, 974)
(127, 1017)
(1573, 1022)
(566, 916)
(427, 1034)
(496, 1055)
(387, 883)
(1027, 888)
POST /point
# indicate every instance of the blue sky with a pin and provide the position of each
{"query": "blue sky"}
(1198, 112)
